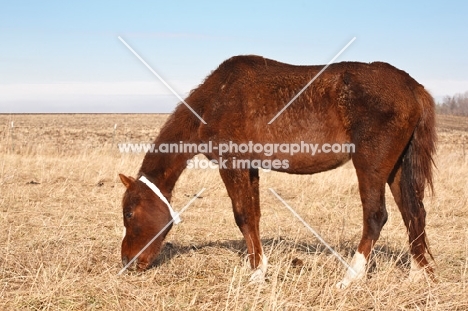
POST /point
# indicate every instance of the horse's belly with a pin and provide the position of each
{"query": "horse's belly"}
(310, 164)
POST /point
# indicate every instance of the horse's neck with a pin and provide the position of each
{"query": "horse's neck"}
(164, 169)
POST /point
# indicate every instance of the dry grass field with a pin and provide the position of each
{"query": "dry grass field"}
(61, 228)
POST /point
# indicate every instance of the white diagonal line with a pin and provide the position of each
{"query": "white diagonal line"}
(161, 79)
(159, 233)
(313, 79)
(335, 253)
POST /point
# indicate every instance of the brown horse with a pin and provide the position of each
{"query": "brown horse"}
(385, 113)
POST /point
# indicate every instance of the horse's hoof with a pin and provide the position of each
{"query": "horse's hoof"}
(420, 274)
(257, 277)
(416, 276)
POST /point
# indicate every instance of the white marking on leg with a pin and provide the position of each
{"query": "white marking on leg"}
(415, 266)
(417, 273)
(258, 276)
(358, 271)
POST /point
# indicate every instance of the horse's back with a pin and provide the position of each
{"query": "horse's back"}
(244, 93)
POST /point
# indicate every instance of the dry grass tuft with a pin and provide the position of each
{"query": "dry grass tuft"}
(61, 228)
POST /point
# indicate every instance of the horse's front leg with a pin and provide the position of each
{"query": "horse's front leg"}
(243, 189)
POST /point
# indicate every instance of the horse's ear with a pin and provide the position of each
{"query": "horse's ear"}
(126, 180)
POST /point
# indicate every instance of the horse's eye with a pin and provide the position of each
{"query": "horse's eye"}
(128, 215)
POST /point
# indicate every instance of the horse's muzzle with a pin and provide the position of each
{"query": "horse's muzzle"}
(136, 265)
(125, 261)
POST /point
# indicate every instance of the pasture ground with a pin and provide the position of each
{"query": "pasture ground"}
(61, 228)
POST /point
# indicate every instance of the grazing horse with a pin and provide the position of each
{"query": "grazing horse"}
(386, 114)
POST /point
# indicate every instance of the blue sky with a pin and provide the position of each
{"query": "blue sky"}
(63, 56)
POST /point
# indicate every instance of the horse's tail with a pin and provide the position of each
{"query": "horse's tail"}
(417, 164)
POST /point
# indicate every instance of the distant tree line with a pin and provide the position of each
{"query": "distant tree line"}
(456, 105)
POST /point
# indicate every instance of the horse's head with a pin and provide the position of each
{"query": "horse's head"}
(145, 215)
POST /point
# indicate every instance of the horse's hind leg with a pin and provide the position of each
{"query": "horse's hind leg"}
(372, 192)
(243, 189)
(416, 233)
